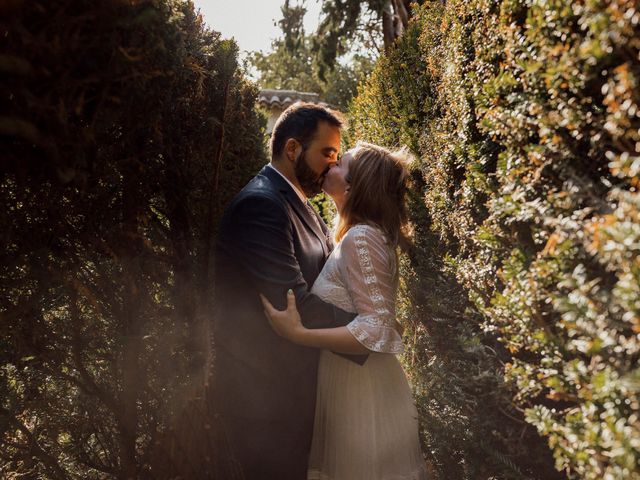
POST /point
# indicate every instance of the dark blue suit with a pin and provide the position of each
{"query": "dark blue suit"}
(265, 386)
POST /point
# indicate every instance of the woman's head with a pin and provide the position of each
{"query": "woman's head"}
(375, 182)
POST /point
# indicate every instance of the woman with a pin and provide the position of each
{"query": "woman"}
(366, 422)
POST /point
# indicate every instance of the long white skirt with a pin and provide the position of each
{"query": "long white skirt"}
(366, 424)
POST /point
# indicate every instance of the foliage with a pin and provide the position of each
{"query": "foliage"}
(126, 128)
(366, 23)
(524, 118)
(291, 64)
(470, 428)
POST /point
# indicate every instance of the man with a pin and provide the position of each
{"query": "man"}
(270, 240)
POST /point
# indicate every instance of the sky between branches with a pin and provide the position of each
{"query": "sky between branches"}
(252, 22)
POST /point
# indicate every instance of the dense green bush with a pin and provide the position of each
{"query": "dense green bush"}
(125, 128)
(524, 117)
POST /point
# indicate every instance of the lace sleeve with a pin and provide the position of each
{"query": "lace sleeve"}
(368, 266)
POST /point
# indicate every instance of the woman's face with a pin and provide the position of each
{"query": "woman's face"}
(336, 181)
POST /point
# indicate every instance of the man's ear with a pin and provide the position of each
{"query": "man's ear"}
(292, 149)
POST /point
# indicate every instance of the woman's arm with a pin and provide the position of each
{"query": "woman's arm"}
(339, 340)
(287, 324)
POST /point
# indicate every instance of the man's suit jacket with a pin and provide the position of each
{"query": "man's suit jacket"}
(265, 386)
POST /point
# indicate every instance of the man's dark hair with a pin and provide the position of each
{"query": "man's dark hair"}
(300, 121)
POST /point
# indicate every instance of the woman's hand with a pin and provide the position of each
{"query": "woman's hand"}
(286, 323)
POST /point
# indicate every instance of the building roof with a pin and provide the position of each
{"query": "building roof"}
(283, 98)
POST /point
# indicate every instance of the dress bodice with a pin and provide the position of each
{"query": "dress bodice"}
(360, 276)
(329, 285)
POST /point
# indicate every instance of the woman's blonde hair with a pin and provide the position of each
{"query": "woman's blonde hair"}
(378, 186)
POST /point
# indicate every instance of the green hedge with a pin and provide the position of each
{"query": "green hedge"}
(125, 128)
(524, 117)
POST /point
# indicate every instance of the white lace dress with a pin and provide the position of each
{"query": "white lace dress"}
(366, 422)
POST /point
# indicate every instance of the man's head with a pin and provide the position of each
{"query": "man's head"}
(305, 144)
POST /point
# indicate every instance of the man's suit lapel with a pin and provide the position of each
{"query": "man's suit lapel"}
(300, 208)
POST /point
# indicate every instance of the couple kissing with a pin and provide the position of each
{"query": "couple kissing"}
(306, 383)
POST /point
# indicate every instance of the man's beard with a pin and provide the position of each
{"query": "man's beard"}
(310, 181)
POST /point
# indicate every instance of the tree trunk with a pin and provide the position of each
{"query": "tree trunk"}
(388, 32)
(130, 252)
(402, 17)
